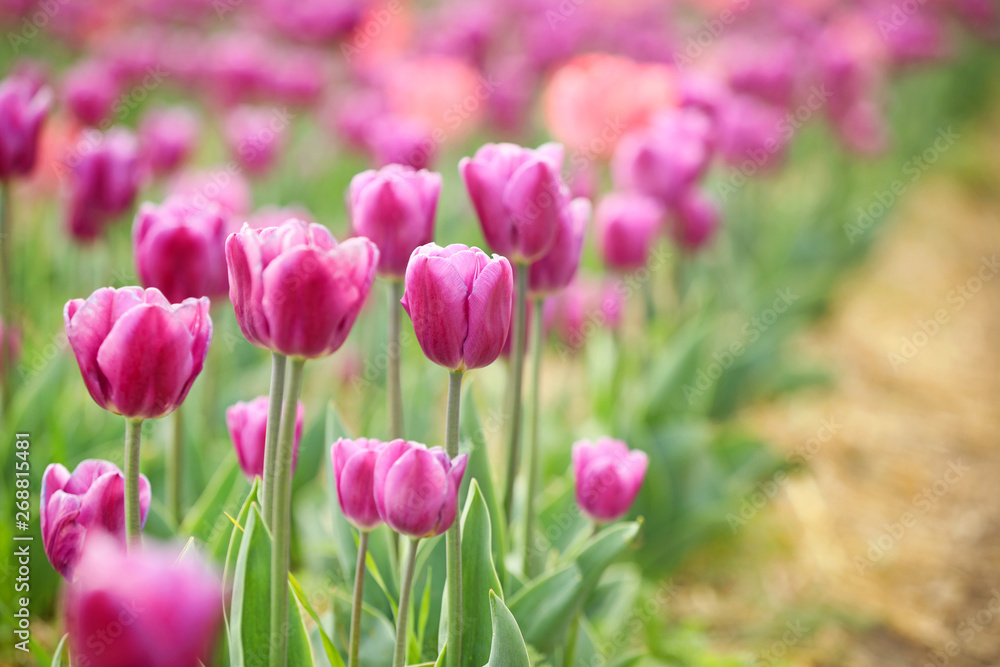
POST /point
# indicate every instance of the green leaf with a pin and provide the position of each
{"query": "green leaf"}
(507, 649)
(250, 627)
(545, 607)
(235, 540)
(57, 657)
(223, 489)
(479, 578)
(331, 651)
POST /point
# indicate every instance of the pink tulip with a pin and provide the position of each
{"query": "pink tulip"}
(222, 185)
(557, 268)
(416, 489)
(627, 226)
(582, 309)
(354, 472)
(181, 250)
(144, 608)
(395, 208)
(608, 477)
(90, 89)
(393, 139)
(247, 424)
(295, 290)
(460, 302)
(167, 137)
(752, 135)
(519, 197)
(23, 109)
(139, 355)
(255, 136)
(695, 221)
(765, 69)
(92, 498)
(103, 183)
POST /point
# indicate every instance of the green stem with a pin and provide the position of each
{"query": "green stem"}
(278, 363)
(530, 550)
(453, 553)
(394, 387)
(399, 657)
(574, 629)
(175, 458)
(359, 590)
(516, 379)
(5, 305)
(281, 519)
(133, 516)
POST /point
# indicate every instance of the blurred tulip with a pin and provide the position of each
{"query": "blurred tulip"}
(354, 472)
(395, 207)
(753, 135)
(519, 197)
(23, 109)
(181, 250)
(255, 136)
(247, 424)
(764, 68)
(92, 498)
(393, 139)
(90, 89)
(317, 21)
(167, 137)
(222, 185)
(10, 337)
(161, 611)
(460, 302)
(558, 267)
(627, 226)
(580, 310)
(695, 221)
(103, 182)
(138, 354)
(295, 290)
(608, 477)
(416, 489)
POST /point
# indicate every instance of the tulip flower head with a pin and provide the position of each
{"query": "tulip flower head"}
(90, 89)
(167, 137)
(103, 182)
(256, 136)
(354, 472)
(395, 208)
(416, 489)
(460, 301)
(608, 477)
(557, 268)
(23, 109)
(138, 353)
(165, 611)
(247, 424)
(627, 226)
(695, 221)
(295, 290)
(92, 498)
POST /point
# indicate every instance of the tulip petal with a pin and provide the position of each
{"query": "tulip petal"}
(485, 186)
(436, 300)
(416, 489)
(246, 291)
(489, 307)
(534, 199)
(392, 453)
(355, 490)
(54, 479)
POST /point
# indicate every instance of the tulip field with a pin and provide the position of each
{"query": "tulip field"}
(384, 333)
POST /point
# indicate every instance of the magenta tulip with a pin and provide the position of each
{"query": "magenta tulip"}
(23, 109)
(416, 489)
(393, 139)
(460, 303)
(247, 423)
(295, 290)
(695, 221)
(139, 355)
(90, 89)
(354, 472)
(103, 183)
(146, 608)
(92, 498)
(167, 137)
(181, 250)
(255, 137)
(519, 197)
(627, 226)
(557, 268)
(395, 208)
(608, 477)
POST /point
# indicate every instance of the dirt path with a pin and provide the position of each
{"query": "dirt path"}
(885, 550)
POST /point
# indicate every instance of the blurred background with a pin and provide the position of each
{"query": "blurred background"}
(807, 353)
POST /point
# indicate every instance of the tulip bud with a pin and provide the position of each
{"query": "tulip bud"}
(554, 271)
(247, 424)
(394, 139)
(695, 221)
(167, 137)
(416, 489)
(92, 498)
(139, 355)
(580, 310)
(627, 227)
(295, 290)
(255, 137)
(460, 302)
(519, 197)
(752, 130)
(395, 207)
(23, 109)
(354, 472)
(104, 182)
(90, 89)
(181, 250)
(145, 608)
(608, 477)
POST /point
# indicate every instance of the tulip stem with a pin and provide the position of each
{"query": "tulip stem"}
(281, 520)
(394, 387)
(399, 657)
(278, 363)
(133, 516)
(359, 593)
(6, 322)
(514, 396)
(175, 458)
(569, 657)
(530, 550)
(453, 552)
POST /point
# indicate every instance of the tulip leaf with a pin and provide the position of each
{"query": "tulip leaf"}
(225, 489)
(545, 606)
(331, 651)
(479, 578)
(57, 657)
(508, 648)
(250, 627)
(235, 539)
